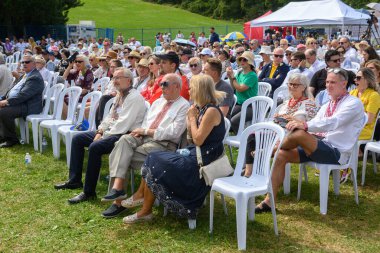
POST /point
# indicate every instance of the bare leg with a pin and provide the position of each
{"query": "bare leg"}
(248, 170)
(64, 111)
(148, 201)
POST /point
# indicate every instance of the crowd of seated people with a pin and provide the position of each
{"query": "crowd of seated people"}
(159, 95)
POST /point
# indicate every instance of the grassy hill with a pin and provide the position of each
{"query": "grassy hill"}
(131, 16)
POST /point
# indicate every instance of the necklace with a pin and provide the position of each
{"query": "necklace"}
(292, 102)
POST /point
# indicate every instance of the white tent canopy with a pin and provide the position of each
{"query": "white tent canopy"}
(319, 12)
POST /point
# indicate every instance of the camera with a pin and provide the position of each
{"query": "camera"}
(72, 57)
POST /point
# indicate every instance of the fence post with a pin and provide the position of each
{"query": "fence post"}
(142, 36)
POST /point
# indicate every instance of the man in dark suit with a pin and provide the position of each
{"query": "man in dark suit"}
(275, 71)
(23, 99)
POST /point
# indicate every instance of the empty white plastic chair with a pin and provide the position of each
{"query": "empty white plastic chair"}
(279, 93)
(260, 107)
(35, 119)
(53, 125)
(68, 134)
(374, 147)
(243, 189)
(264, 89)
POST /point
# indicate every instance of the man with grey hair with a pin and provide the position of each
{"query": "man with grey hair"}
(351, 53)
(161, 130)
(314, 63)
(23, 99)
(5, 77)
(254, 46)
(125, 116)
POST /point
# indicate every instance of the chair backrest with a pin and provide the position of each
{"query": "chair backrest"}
(282, 90)
(353, 161)
(227, 126)
(55, 78)
(92, 98)
(51, 92)
(260, 107)
(73, 94)
(264, 89)
(9, 61)
(355, 65)
(267, 135)
(51, 78)
(235, 101)
(16, 56)
(376, 120)
(102, 83)
(107, 107)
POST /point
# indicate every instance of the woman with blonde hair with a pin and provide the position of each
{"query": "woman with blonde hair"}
(311, 43)
(173, 178)
(195, 65)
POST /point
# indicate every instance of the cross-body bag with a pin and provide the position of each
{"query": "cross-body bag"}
(219, 168)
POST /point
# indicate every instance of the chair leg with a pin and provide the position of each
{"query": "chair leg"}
(224, 204)
(40, 134)
(69, 138)
(305, 173)
(27, 131)
(300, 180)
(273, 207)
(374, 162)
(365, 163)
(324, 173)
(336, 179)
(251, 209)
(287, 179)
(132, 180)
(55, 139)
(355, 184)
(232, 159)
(192, 223)
(241, 221)
(212, 196)
(35, 135)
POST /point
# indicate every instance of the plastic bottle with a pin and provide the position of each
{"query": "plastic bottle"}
(28, 159)
(183, 151)
(44, 144)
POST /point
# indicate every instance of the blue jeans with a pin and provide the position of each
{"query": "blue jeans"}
(95, 151)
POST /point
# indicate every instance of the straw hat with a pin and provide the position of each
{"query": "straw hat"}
(361, 44)
(112, 54)
(102, 57)
(135, 54)
(265, 50)
(248, 56)
(143, 63)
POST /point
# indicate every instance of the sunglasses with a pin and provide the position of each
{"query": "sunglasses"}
(239, 52)
(193, 65)
(164, 84)
(78, 61)
(294, 59)
(336, 61)
(102, 59)
(294, 85)
(358, 78)
(341, 43)
(278, 55)
(130, 57)
(243, 60)
(339, 71)
(25, 62)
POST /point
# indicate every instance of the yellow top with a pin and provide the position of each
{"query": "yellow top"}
(371, 101)
(274, 68)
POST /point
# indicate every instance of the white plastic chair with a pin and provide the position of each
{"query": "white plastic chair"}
(324, 175)
(260, 107)
(102, 83)
(73, 97)
(243, 189)
(16, 56)
(68, 134)
(282, 92)
(235, 101)
(264, 89)
(372, 146)
(35, 119)
(107, 107)
(9, 61)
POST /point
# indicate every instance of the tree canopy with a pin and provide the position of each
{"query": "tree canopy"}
(15, 14)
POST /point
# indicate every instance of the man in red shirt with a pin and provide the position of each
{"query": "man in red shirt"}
(170, 64)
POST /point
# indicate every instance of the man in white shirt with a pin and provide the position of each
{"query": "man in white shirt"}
(126, 115)
(21, 45)
(311, 58)
(297, 65)
(336, 129)
(161, 130)
(351, 53)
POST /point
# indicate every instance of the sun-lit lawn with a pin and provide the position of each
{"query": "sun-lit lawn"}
(36, 218)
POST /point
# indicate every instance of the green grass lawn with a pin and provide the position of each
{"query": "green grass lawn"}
(130, 16)
(36, 218)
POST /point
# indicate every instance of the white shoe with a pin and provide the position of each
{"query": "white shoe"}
(133, 218)
(129, 202)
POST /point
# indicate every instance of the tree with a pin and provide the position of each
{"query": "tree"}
(15, 14)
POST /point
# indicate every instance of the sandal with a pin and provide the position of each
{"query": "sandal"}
(130, 219)
(129, 202)
(263, 209)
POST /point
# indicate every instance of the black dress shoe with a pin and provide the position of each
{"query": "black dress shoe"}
(8, 144)
(81, 197)
(68, 185)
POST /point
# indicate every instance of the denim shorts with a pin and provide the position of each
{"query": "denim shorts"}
(325, 154)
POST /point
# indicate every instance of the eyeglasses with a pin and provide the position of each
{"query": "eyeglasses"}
(25, 62)
(358, 78)
(164, 84)
(193, 65)
(278, 55)
(130, 57)
(340, 72)
(341, 52)
(294, 59)
(240, 52)
(126, 52)
(294, 85)
(78, 61)
(336, 61)
(102, 60)
(341, 43)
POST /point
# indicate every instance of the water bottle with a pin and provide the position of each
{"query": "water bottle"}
(183, 151)
(28, 160)
(44, 144)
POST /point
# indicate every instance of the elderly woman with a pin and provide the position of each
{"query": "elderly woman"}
(298, 106)
(154, 73)
(195, 65)
(146, 52)
(82, 76)
(40, 66)
(104, 68)
(93, 62)
(224, 57)
(173, 178)
(245, 83)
